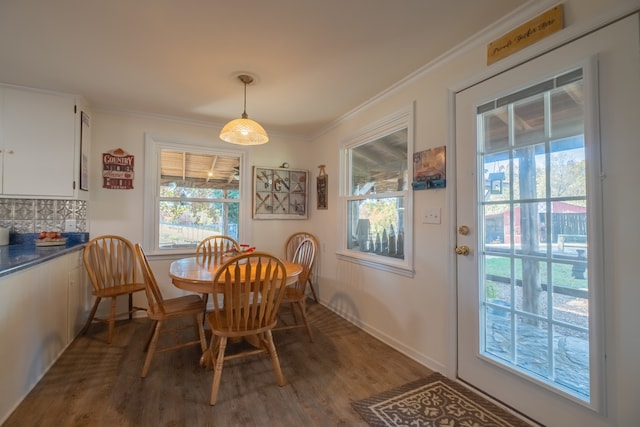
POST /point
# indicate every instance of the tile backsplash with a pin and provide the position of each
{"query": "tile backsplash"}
(35, 215)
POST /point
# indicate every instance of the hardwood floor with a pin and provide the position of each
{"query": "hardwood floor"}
(96, 384)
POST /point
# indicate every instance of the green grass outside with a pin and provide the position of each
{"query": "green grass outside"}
(562, 273)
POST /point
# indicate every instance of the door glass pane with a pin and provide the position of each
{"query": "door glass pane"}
(528, 120)
(567, 166)
(534, 260)
(496, 130)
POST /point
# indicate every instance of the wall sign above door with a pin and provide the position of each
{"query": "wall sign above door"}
(525, 35)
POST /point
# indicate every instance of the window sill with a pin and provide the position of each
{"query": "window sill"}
(376, 261)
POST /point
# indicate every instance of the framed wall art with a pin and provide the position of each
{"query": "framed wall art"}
(85, 143)
(280, 193)
(429, 169)
(322, 188)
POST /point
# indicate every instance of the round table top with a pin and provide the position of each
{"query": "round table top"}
(191, 274)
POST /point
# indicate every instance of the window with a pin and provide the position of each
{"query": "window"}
(536, 234)
(376, 198)
(192, 191)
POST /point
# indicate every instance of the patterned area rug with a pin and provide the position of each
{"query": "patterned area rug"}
(433, 401)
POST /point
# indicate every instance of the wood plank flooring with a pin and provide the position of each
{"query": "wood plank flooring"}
(96, 384)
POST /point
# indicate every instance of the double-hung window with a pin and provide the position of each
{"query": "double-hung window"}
(376, 201)
(194, 191)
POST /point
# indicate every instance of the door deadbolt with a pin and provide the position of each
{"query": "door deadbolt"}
(463, 229)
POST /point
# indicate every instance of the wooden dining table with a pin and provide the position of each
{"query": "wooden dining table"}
(196, 273)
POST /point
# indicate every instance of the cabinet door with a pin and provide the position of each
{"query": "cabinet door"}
(39, 144)
(80, 297)
(33, 327)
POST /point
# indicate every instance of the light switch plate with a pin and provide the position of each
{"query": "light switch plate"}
(431, 216)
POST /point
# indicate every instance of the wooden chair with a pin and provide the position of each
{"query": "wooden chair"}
(111, 265)
(161, 310)
(247, 292)
(217, 245)
(294, 295)
(290, 247)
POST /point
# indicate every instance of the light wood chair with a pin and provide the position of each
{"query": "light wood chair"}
(294, 295)
(247, 293)
(111, 265)
(217, 245)
(214, 247)
(290, 246)
(161, 310)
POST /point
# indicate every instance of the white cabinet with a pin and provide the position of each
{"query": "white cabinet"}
(34, 324)
(80, 298)
(39, 143)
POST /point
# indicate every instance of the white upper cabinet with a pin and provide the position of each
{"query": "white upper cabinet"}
(38, 143)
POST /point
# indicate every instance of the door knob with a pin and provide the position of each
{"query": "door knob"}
(462, 250)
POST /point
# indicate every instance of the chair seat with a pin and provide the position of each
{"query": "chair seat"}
(119, 290)
(292, 294)
(178, 307)
(220, 326)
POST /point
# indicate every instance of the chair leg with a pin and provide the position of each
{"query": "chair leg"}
(313, 292)
(271, 348)
(151, 332)
(200, 331)
(303, 310)
(217, 370)
(112, 319)
(205, 298)
(152, 348)
(91, 316)
(208, 356)
(130, 306)
(292, 306)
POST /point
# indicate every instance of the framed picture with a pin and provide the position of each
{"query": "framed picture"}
(85, 143)
(280, 193)
(429, 169)
(321, 184)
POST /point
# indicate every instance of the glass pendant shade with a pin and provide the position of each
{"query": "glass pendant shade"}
(244, 131)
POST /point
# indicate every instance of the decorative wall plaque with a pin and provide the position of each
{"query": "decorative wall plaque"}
(117, 170)
(526, 34)
(322, 181)
(280, 193)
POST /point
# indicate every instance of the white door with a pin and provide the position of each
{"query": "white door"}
(530, 317)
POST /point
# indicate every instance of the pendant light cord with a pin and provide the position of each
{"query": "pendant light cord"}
(244, 112)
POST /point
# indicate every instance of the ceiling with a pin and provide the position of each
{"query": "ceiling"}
(313, 61)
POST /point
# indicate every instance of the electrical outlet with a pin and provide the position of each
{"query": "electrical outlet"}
(431, 216)
(69, 225)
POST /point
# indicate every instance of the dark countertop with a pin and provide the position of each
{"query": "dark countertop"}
(22, 252)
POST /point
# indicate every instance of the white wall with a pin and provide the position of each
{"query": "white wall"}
(415, 315)
(121, 211)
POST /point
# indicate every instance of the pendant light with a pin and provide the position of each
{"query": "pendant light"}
(244, 131)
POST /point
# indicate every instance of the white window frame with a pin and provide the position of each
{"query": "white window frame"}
(401, 119)
(153, 146)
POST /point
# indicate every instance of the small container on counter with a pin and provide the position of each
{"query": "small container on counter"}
(4, 236)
